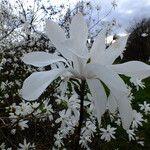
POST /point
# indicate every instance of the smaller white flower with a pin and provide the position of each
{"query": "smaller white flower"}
(118, 122)
(58, 141)
(137, 119)
(3, 86)
(141, 143)
(108, 133)
(145, 107)
(131, 134)
(47, 106)
(13, 131)
(23, 124)
(13, 117)
(26, 108)
(2, 146)
(138, 83)
(84, 141)
(26, 146)
(89, 129)
(35, 104)
(62, 115)
(6, 95)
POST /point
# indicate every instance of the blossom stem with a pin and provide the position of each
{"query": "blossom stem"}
(82, 91)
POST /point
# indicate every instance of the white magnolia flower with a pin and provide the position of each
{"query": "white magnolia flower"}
(137, 119)
(84, 141)
(63, 116)
(131, 134)
(23, 124)
(2, 146)
(35, 105)
(94, 67)
(141, 143)
(118, 122)
(137, 82)
(108, 133)
(26, 146)
(145, 107)
(13, 131)
(89, 129)
(59, 141)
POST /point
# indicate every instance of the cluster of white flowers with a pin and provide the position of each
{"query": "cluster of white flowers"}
(68, 118)
(87, 133)
(24, 146)
(22, 113)
(3, 147)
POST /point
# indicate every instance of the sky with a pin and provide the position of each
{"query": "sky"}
(129, 11)
(126, 12)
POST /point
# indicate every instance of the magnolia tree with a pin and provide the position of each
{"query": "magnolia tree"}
(97, 87)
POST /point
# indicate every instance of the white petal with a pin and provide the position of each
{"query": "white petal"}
(72, 47)
(57, 36)
(112, 104)
(79, 63)
(98, 47)
(79, 32)
(99, 97)
(37, 82)
(125, 109)
(116, 49)
(41, 59)
(106, 75)
(55, 33)
(135, 69)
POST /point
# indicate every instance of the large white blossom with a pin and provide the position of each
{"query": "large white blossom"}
(94, 66)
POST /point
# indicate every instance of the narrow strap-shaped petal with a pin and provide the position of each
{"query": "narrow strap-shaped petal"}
(37, 82)
(112, 104)
(55, 33)
(99, 97)
(41, 59)
(125, 109)
(116, 49)
(57, 36)
(118, 89)
(79, 33)
(135, 69)
(106, 75)
(98, 47)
